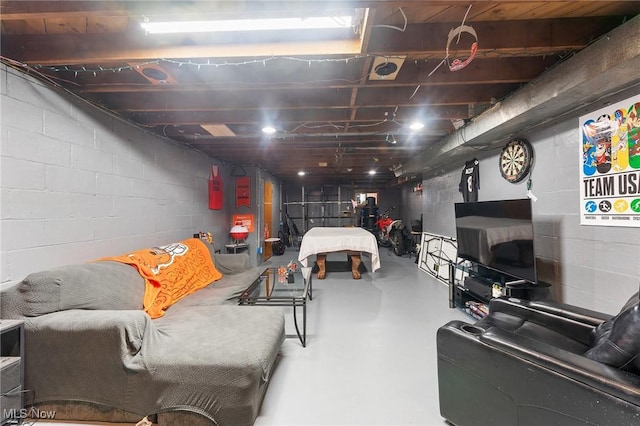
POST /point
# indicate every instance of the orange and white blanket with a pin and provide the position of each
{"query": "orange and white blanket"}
(171, 272)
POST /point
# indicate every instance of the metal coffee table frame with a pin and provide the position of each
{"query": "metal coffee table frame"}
(268, 290)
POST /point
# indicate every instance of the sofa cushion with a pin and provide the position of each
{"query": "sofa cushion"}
(602, 331)
(171, 272)
(231, 264)
(617, 341)
(99, 285)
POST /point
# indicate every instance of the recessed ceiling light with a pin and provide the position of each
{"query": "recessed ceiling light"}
(301, 173)
(416, 125)
(268, 130)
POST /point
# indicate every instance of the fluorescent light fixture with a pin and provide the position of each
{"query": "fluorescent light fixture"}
(372, 172)
(301, 173)
(268, 130)
(416, 125)
(316, 22)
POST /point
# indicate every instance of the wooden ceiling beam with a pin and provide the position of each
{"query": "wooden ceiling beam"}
(366, 35)
(202, 101)
(461, 94)
(479, 71)
(359, 167)
(503, 37)
(292, 116)
(24, 9)
(273, 78)
(164, 9)
(275, 156)
(241, 143)
(88, 49)
(507, 36)
(318, 147)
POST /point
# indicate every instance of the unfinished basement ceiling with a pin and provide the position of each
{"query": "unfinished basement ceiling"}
(336, 98)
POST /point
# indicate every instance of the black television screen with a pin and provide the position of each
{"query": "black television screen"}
(498, 235)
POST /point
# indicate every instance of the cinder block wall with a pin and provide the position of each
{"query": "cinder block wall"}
(593, 267)
(411, 203)
(78, 184)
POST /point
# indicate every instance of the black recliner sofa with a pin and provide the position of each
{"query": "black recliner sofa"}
(541, 363)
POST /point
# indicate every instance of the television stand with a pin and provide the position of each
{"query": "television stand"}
(478, 285)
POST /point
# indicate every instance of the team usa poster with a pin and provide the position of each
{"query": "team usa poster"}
(610, 173)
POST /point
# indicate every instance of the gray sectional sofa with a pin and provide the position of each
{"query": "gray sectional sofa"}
(91, 353)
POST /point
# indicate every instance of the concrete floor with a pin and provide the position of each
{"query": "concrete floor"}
(370, 357)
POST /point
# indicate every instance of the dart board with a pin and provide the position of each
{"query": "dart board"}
(515, 160)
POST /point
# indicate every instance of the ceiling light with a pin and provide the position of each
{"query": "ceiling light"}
(301, 173)
(416, 125)
(268, 130)
(315, 22)
(372, 172)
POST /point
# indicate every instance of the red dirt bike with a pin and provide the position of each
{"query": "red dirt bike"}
(393, 233)
(382, 228)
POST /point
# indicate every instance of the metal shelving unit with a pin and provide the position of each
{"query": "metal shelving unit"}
(320, 212)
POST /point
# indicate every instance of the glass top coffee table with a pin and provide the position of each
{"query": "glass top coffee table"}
(274, 289)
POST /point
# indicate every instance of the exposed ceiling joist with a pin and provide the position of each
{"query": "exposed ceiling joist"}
(315, 89)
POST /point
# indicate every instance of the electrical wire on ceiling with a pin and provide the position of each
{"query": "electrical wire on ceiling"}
(393, 116)
(369, 125)
(463, 21)
(319, 126)
(338, 127)
(446, 58)
(404, 27)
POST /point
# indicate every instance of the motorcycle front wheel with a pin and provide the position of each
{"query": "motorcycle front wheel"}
(398, 243)
(383, 240)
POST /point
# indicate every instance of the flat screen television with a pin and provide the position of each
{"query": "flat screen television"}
(499, 236)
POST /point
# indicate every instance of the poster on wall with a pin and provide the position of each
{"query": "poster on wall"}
(215, 189)
(246, 220)
(243, 191)
(610, 173)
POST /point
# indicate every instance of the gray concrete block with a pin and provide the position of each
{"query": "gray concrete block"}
(33, 146)
(22, 174)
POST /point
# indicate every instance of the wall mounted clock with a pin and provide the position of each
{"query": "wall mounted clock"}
(516, 159)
